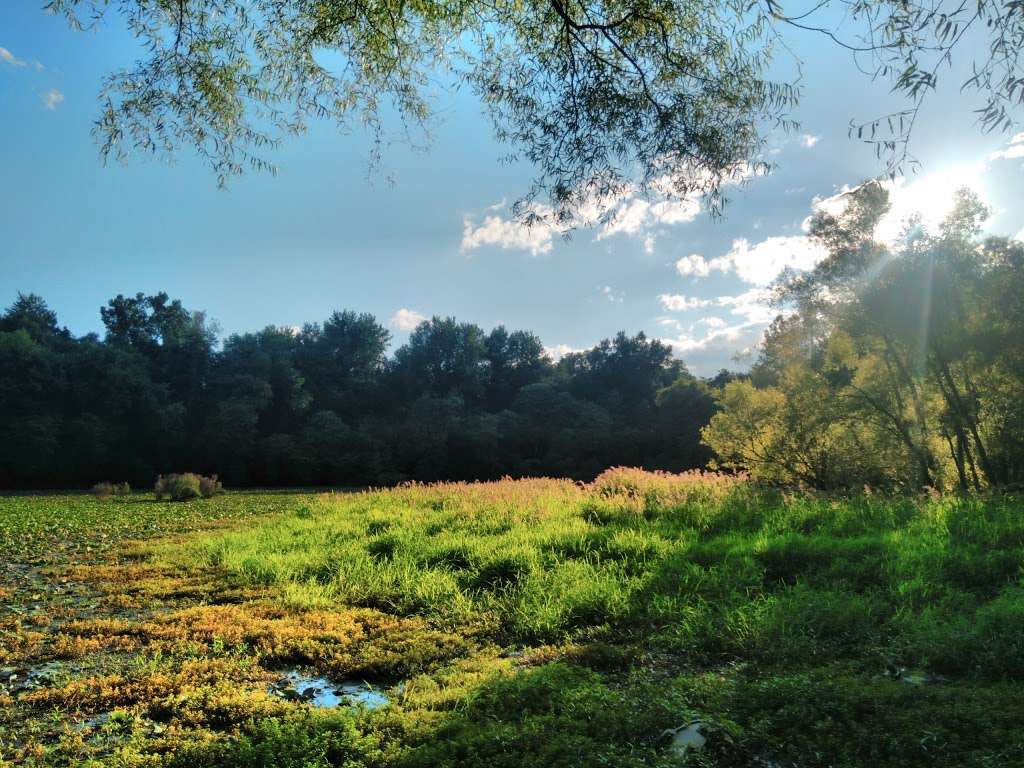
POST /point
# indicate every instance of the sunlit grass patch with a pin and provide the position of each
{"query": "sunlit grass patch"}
(520, 623)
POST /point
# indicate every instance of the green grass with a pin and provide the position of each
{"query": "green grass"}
(537, 623)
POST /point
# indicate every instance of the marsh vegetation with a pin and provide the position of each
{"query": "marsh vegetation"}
(515, 623)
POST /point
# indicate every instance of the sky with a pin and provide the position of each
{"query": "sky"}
(431, 232)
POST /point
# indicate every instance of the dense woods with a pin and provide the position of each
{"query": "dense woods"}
(325, 404)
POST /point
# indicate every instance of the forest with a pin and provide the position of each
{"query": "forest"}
(325, 405)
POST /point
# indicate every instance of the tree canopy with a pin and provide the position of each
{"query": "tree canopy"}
(894, 365)
(672, 96)
(325, 403)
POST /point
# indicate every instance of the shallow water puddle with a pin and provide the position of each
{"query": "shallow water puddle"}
(321, 692)
(28, 678)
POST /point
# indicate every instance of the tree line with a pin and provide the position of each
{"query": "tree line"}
(326, 404)
(895, 366)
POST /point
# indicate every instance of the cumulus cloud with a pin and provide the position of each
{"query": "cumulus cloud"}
(808, 140)
(510, 234)
(1013, 150)
(615, 297)
(713, 322)
(675, 302)
(629, 213)
(558, 351)
(406, 319)
(758, 263)
(762, 262)
(628, 219)
(696, 265)
(637, 216)
(52, 99)
(929, 197)
(9, 58)
(705, 354)
(754, 305)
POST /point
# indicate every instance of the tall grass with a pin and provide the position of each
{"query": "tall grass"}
(709, 567)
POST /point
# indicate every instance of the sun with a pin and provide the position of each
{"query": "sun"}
(931, 196)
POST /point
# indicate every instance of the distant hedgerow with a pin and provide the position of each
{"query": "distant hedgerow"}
(186, 486)
(104, 490)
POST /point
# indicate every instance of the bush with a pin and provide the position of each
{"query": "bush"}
(187, 486)
(105, 490)
(210, 486)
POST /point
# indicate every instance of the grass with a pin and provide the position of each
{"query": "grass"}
(519, 623)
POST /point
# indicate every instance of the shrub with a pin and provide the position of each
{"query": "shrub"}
(210, 486)
(104, 490)
(664, 488)
(187, 486)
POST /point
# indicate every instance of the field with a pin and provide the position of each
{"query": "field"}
(512, 624)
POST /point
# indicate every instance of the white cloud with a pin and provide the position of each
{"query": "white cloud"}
(696, 265)
(615, 297)
(9, 58)
(762, 262)
(510, 234)
(756, 264)
(636, 216)
(406, 319)
(627, 220)
(808, 140)
(1013, 150)
(704, 355)
(52, 99)
(930, 197)
(722, 338)
(558, 351)
(675, 211)
(1019, 236)
(626, 212)
(752, 305)
(713, 322)
(675, 302)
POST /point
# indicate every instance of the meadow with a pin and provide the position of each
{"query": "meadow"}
(515, 623)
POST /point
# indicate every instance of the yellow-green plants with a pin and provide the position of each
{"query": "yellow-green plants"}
(105, 490)
(187, 486)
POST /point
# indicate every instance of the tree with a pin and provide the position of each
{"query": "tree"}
(342, 359)
(896, 365)
(673, 96)
(444, 357)
(515, 360)
(624, 373)
(30, 313)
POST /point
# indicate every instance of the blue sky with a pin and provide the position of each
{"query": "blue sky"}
(431, 233)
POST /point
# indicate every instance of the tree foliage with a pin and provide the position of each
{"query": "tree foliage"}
(896, 366)
(325, 404)
(671, 96)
